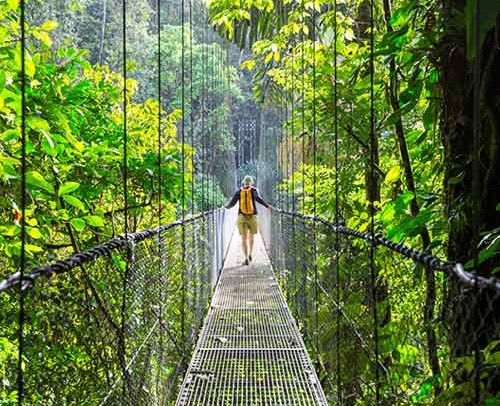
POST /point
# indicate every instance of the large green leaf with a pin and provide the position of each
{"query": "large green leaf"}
(78, 224)
(68, 187)
(393, 174)
(34, 178)
(94, 221)
(74, 201)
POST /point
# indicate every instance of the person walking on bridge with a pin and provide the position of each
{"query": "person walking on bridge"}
(247, 196)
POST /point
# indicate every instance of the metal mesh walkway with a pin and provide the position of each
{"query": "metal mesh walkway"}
(250, 352)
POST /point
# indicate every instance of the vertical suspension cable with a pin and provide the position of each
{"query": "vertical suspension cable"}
(372, 204)
(203, 108)
(183, 168)
(316, 280)
(191, 97)
(476, 191)
(216, 60)
(190, 266)
(218, 107)
(337, 217)
(203, 131)
(159, 168)
(211, 116)
(285, 152)
(125, 106)
(314, 104)
(183, 108)
(227, 85)
(158, 50)
(229, 95)
(476, 186)
(292, 112)
(303, 92)
(303, 107)
(292, 137)
(125, 196)
(22, 265)
(214, 118)
(220, 91)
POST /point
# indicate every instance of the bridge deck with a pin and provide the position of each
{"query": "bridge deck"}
(249, 351)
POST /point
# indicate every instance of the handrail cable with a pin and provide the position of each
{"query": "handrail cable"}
(104, 249)
(61, 266)
(457, 269)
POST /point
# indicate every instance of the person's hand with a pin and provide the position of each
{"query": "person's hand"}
(270, 207)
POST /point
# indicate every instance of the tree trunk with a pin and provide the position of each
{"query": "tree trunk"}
(414, 207)
(473, 315)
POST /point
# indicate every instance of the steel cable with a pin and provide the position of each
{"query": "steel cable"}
(374, 185)
(121, 342)
(22, 265)
(337, 214)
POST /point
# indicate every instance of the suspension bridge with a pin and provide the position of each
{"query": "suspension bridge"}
(324, 314)
(256, 331)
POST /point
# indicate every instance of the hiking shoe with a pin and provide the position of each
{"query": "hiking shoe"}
(250, 258)
(245, 262)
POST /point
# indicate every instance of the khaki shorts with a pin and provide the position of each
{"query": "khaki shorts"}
(247, 223)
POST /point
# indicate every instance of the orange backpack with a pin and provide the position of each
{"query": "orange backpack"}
(246, 201)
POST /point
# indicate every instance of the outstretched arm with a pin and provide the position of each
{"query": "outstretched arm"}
(233, 201)
(261, 200)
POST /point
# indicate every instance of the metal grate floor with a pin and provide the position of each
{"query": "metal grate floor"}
(250, 352)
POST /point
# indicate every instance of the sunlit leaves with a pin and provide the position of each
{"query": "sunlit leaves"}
(248, 64)
(393, 174)
(48, 144)
(74, 144)
(74, 201)
(68, 187)
(94, 221)
(34, 233)
(36, 179)
(78, 224)
(49, 25)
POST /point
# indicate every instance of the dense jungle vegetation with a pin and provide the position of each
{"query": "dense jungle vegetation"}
(308, 64)
(74, 121)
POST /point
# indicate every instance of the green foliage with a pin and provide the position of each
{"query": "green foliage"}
(207, 193)
(74, 148)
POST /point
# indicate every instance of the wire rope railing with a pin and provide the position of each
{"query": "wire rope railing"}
(317, 261)
(76, 350)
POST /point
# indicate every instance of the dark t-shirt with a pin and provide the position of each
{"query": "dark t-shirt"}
(255, 197)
